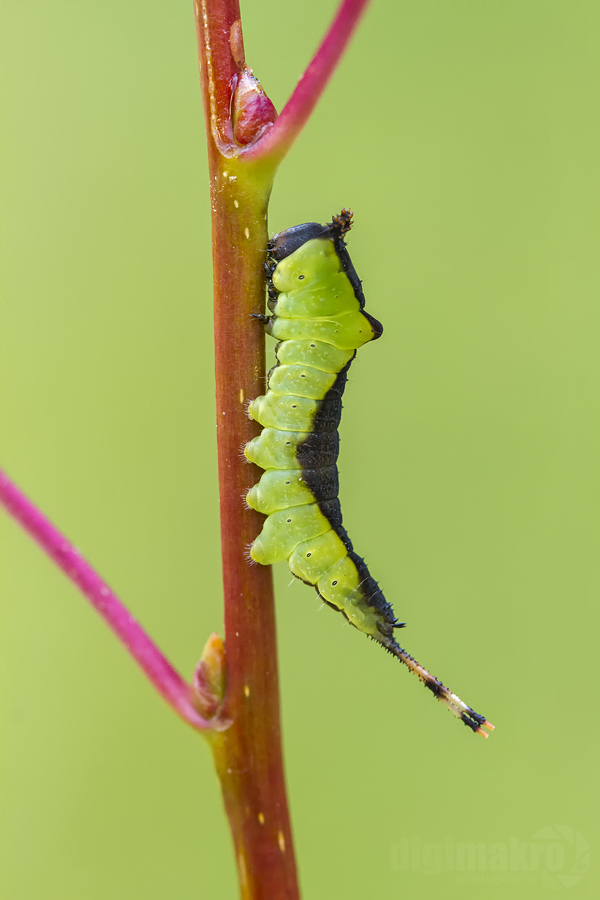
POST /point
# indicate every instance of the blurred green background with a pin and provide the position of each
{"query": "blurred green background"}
(466, 137)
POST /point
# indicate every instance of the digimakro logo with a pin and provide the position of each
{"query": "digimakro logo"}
(556, 857)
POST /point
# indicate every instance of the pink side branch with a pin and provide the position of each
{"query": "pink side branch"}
(158, 670)
(297, 110)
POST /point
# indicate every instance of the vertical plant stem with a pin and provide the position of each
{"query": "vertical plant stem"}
(248, 754)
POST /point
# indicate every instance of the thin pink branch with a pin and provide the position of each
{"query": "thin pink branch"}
(278, 139)
(167, 681)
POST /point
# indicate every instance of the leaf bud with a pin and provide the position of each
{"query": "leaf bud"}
(252, 111)
(208, 683)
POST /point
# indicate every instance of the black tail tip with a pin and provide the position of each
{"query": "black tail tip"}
(477, 723)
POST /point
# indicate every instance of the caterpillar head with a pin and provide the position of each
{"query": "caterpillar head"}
(287, 242)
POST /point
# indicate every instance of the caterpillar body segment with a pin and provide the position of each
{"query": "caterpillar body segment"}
(318, 316)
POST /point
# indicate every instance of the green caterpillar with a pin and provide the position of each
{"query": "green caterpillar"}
(319, 318)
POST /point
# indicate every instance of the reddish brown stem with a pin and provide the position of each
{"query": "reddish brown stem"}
(248, 754)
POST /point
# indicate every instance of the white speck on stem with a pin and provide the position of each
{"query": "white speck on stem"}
(247, 232)
(243, 872)
(236, 204)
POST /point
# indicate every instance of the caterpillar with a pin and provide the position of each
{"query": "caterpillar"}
(318, 316)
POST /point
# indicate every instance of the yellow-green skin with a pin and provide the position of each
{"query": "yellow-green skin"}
(318, 319)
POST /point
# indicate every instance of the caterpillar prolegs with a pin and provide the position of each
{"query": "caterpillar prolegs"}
(318, 315)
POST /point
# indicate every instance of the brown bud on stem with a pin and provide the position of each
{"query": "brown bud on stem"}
(209, 678)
